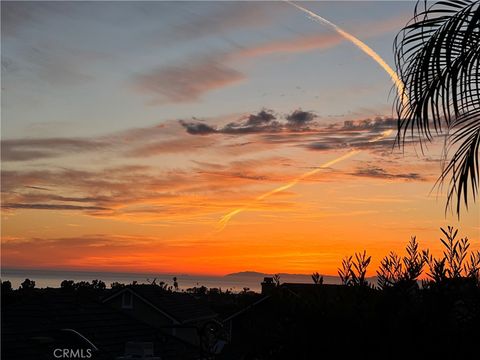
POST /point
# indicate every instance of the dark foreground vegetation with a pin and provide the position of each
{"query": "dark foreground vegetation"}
(398, 317)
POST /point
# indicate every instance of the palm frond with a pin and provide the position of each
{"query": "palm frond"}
(438, 60)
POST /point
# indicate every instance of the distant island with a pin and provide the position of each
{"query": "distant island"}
(283, 276)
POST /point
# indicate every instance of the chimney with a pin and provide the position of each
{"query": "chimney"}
(267, 285)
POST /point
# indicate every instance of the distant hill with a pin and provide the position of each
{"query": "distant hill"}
(260, 274)
(247, 273)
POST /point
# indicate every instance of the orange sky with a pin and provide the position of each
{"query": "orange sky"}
(169, 222)
(123, 147)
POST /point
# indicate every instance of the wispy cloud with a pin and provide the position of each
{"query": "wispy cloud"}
(50, 207)
(196, 76)
(185, 83)
(33, 149)
(196, 187)
(381, 173)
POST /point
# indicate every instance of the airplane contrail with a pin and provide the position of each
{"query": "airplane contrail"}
(378, 59)
(225, 219)
(358, 43)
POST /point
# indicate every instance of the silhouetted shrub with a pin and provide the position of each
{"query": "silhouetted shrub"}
(454, 267)
(353, 272)
(317, 278)
(396, 271)
(345, 272)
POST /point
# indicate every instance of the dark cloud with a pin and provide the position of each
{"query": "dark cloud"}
(264, 121)
(198, 128)
(321, 146)
(262, 118)
(377, 124)
(300, 118)
(377, 172)
(50, 207)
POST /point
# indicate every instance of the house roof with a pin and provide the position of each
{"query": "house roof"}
(43, 311)
(330, 291)
(247, 308)
(180, 307)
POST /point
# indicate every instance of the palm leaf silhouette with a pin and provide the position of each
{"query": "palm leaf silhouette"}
(438, 58)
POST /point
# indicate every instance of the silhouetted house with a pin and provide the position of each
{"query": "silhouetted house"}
(327, 293)
(307, 289)
(267, 285)
(178, 314)
(37, 323)
(229, 321)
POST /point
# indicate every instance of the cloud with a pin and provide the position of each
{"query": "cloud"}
(179, 145)
(353, 133)
(380, 173)
(137, 193)
(198, 128)
(50, 207)
(299, 119)
(262, 118)
(378, 124)
(298, 44)
(34, 149)
(264, 121)
(187, 82)
(221, 19)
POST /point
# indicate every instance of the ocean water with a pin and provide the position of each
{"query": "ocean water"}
(235, 283)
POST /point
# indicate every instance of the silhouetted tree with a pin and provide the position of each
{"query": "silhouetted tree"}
(6, 287)
(27, 284)
(82, 285)
(116, 285)
(98, 284)
(175, 283)
(67, 285)
(438, 59)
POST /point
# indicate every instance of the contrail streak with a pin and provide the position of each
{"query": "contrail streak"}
(224, 220)
(360, 44)
(367, 50)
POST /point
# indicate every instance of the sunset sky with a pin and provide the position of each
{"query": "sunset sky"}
(130, 129)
